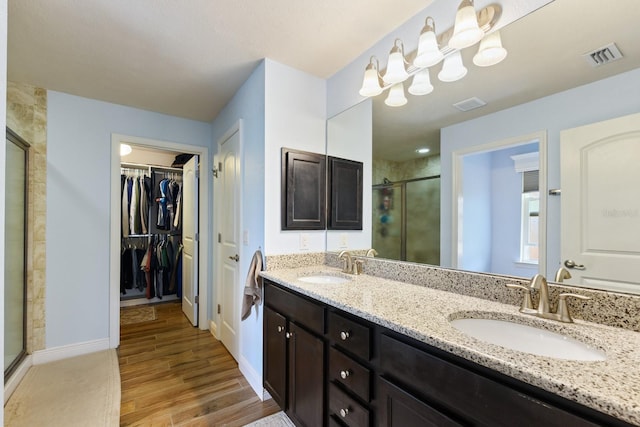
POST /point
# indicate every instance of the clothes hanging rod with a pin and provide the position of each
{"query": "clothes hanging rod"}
(140, 166)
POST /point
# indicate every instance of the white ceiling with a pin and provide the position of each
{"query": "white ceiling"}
(186, 58)
(545, 56)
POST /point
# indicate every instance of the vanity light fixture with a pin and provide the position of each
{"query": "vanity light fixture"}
(125, 149)
(371, 83)
(396, 70)
(421, 84)
(396, 96)
(490, 51)
(469, 28)
(466, 31)
(429, 52)
(452, 69)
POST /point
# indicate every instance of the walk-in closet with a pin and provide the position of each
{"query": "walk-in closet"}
(151, 253)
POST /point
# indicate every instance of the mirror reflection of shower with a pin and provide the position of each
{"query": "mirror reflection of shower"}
(406, 219)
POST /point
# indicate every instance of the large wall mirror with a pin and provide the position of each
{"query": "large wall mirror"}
(545, 86)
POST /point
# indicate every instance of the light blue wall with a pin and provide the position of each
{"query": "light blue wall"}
(506, 201)
(248, 104)
(78, 206)
(476, 219)
(605, 99)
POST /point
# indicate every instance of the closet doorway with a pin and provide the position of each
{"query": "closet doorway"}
(158, 213)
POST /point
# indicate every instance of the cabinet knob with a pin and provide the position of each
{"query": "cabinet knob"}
(344, 335)
(344, 412)
(280, 329)
(289, 335)
(345, 374)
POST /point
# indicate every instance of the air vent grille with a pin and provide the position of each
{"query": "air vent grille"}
(604, 55)
(470, 104)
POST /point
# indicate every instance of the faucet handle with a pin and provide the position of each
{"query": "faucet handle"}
(563, 308)
(357, 266)
(527, 303)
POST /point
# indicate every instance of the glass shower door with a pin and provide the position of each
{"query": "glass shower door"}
(15, 252)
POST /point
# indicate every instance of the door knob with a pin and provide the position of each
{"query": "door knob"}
(235, 258)
(572, 264)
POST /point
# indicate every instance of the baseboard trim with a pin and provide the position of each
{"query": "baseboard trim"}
(213, 328)
(71, 350)
(13, 381)
(253, 378)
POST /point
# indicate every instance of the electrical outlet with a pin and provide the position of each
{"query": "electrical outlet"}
(344, 241)
(304, 241)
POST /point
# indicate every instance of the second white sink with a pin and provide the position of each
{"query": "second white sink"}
(528, 339)
(322, 279)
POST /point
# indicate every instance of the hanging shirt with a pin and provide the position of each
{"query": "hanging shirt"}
(125, 209)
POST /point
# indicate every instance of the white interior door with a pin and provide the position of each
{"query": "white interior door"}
(229, 235)
(601, 203)
(190, 240)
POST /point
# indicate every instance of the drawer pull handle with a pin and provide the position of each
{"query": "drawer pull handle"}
(280, 329)
(345, 374)
(289, 334)
(344, 412)
(344, 335)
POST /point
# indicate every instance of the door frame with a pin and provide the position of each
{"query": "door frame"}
(114, 246)
(218, 203)
(457, 190)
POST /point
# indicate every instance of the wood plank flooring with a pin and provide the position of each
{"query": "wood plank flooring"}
(173, 374)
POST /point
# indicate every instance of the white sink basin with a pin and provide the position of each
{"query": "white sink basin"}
(322, 279)
(528, 339)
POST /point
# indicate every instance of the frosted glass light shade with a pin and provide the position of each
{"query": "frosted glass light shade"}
(396, 71)
(490, 51)
(429, 53)
(421, 84)
(466, 31)
(125, 149)
(452, 69)
(396, 96)
(370, 83)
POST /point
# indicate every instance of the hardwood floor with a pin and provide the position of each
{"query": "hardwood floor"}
(173, 374)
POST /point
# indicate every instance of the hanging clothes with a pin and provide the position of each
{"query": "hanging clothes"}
(125, 207)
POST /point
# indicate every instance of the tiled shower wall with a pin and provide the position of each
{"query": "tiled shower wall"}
(27, 116)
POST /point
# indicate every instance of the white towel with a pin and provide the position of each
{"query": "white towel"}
(252, 294)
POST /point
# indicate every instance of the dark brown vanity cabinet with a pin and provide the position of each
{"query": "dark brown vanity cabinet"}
(294, 355)
(345, 194)
(376, 377)
(303, 190)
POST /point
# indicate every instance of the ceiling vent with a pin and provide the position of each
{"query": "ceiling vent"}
(470, 104)
(604, 55)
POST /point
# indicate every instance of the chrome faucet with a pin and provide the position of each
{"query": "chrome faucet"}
(539, 283)
(562, 274)
(372, 253)
(348, 262)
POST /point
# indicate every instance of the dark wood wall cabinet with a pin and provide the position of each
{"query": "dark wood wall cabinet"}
(325, 367)
(303, 190)
(345, 194)
(304, 198)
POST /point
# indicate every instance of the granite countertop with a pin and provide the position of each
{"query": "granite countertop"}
(611, 386)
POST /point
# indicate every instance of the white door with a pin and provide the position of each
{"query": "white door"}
(190, 240)
(600, 181)
(229, 245)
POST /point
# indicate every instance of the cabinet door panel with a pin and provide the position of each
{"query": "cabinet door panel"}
(306, 377)
(275, 356)
(398, 408)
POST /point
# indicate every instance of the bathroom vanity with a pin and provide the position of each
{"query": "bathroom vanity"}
(372, 351)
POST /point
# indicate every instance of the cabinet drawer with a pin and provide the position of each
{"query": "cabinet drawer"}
(346, 409)
(398, 408)
(350, 335)
(295, 308)
(351, 374)
(477, 398)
